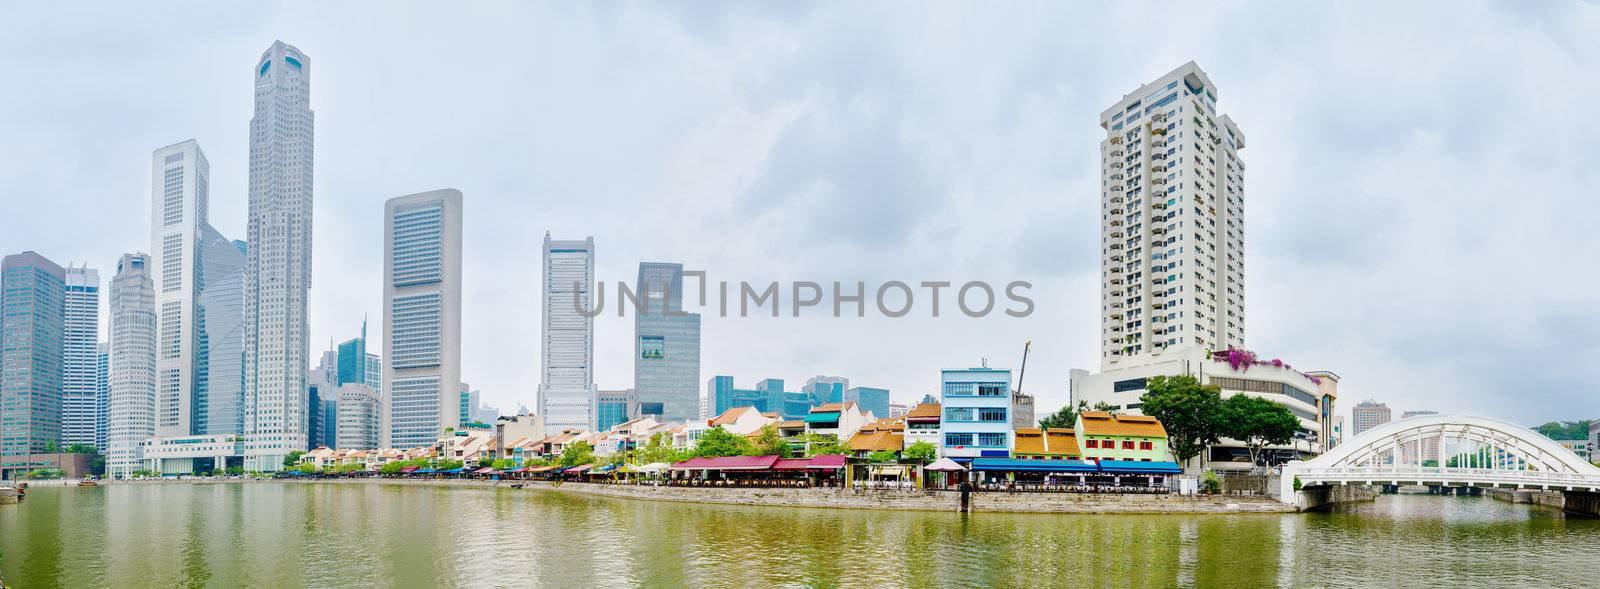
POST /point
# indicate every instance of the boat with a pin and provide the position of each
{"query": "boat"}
(88, 483)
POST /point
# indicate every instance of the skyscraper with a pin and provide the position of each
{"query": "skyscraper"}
(278, 266)
(422, 315)
(1367, 415)
(131, 403)
(80, 390)
(566, 385)
(179, 192)
(353, 358)
(220, 401)
(359, 417)
(1172, 235)
(666, 358)
(102, 386)
(32, 328)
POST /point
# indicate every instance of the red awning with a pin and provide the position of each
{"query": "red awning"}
(409, 469)
(728, 463)
(485, 470)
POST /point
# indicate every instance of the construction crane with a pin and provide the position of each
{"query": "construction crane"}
(1024, 370)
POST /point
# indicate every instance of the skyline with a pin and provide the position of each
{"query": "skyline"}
(779, 169)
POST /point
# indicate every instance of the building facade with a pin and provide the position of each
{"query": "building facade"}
(614, 407)
(1172, 235)
(179, 201)
(220, 402)
(103, 393)
(871, 399)
(976, 420)
(33, 330)
(666, 358)
(566, 364)
(360, 417)
(1367, 415)
(131, 402)
(277, 277)
(80, 383)
(422, 315)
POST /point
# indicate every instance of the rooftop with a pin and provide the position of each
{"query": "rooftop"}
(1101, 423)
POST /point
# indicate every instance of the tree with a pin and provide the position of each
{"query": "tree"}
(1565, 430)
(658, 449)
(769, 443)
(292, 458)
(1065, 417)
(1258, 423)
(80, 449)
(820, 444)
(922, 451)
(883, 456)
(450, 464)
(504, 464)
(718, 442)
(1188, 411)
(579, 452)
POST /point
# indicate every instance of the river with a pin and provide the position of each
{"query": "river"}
(367, 535)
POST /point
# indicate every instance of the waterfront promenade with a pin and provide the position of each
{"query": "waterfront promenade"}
(829, 497)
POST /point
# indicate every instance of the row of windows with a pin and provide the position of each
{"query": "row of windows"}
(979, 389)
(980, 440)
(1112, 444)
(975, 414)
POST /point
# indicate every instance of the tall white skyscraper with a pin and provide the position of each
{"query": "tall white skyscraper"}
(180, 186)
(566, 385)
(666, 346)
(131, 403)
(80, 387)
(278, 266)
(1172, 233)
(421, 316)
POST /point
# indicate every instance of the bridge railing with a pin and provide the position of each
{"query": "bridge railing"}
(1452, 473)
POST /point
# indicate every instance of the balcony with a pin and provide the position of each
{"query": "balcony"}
(1116, 211)
(1116, 270)
(1116, 153)
(1158, 230)
(1116, 233)
(1116, 139)
(1160, 206)
(1115, 178)
(1158, 167)
(1158, 131)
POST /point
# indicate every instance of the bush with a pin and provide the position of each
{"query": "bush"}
(1296, 483)
(1210, 483)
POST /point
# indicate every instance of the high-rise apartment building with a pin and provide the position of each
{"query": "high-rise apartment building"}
(180, 199)
(422, 316)
(666, 358)
(566, 365)
(80, 383)
(278, 266)
(131, 403)
(1367, 415)
(32, 329)
(219, 399)
(1172, 234)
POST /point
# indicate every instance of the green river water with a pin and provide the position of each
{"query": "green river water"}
(365, 535)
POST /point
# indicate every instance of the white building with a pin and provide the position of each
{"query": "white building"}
(131, 373)
(103, 392)
(1172, 234)
(976, 420)
(179, 192)
(567, 394)
(422, 316)
(360, 418)
(278, 267)
(1367, 415)
(80, 388)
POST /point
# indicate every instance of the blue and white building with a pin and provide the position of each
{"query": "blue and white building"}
(80, 383)
(977, 412)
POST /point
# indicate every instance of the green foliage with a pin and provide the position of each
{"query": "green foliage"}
(717, 442)
(820, 444)
(352, 467)
(1565, 430)
(449, 465)
(1209, 482)
(1257, 422)
(80, 449)
(393, 467)
(504, 464)
(1187, 409)
(292, 458)
(883, 456)
(921, 451)
(233, 471)
(576, 453)
(658, 449)
(45, 473)
(1065, 417)
(144, 473)
(1297, 483)
(768, 443)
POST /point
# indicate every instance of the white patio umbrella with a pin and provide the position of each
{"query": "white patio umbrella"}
(945, 465)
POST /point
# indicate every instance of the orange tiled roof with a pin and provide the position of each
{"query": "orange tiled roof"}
(732, 415)
(1054, 441)
(792, 423)
(924, 410)
(877, 440)
(833, 407)
(1100, 423)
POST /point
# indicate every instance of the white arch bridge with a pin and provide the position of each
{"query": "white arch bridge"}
(1447, 450)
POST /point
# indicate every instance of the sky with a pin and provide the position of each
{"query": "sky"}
(1413, 170)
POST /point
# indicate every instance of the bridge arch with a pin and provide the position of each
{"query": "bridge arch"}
(1492, 453)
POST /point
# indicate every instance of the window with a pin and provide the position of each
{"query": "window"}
(1147, 445)
(958, 414)
(1127, 444)
(958, 439)
(992, 439)
(1094, 444)
(1132, 384)
(992, 414)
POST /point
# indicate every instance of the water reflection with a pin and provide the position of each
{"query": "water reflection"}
(274, 535)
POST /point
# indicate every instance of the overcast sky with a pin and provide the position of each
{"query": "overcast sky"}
(1418, 198)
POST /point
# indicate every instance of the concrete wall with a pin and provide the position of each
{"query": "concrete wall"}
(1314, 498)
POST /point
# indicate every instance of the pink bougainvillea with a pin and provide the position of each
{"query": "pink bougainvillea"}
(1241, 360)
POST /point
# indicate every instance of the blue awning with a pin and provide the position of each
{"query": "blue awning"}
(453, 471)
(1021, 465)
(1138, 467)
(606, 468)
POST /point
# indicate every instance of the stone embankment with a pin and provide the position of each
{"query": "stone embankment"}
(1570, 501)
